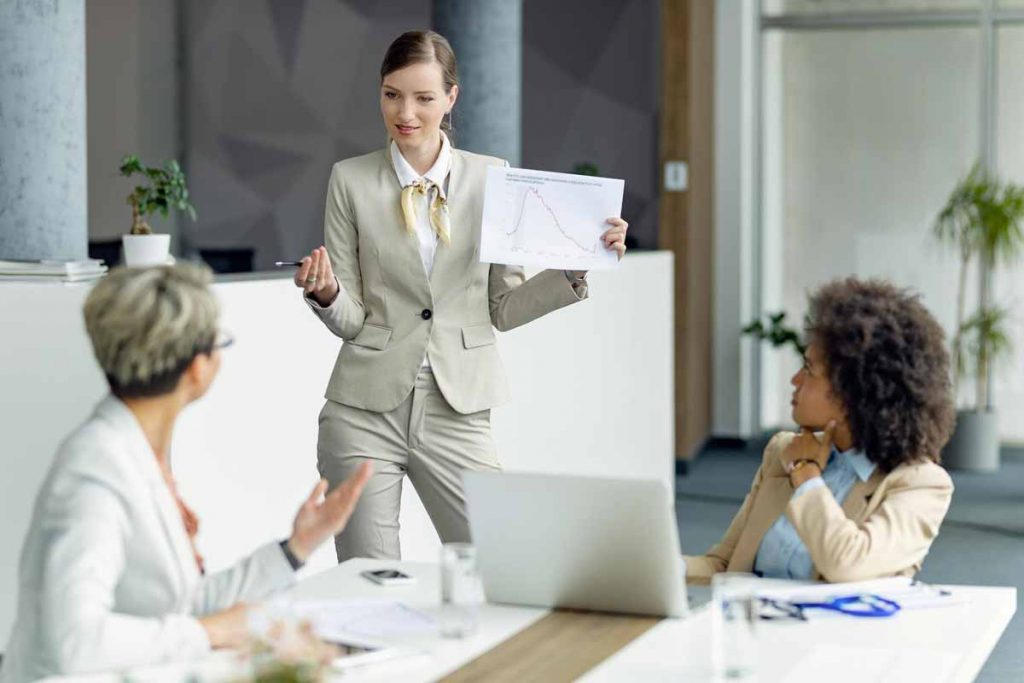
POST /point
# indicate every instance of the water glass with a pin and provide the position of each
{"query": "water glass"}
(461, 590)
(733, 619)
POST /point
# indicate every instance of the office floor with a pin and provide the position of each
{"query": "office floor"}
(981, 541)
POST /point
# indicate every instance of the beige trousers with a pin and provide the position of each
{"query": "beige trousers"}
(424, 438)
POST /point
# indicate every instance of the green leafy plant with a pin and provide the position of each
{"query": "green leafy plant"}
(165, 189)
(982, 220)
(776, 333)
(289, 672)
(289, 651)
(984, 342)
(586, 168)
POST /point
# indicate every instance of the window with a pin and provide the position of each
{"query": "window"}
(870, 110)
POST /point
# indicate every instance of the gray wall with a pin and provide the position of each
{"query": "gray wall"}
(275, 91)
(590, 93)
(132, 103)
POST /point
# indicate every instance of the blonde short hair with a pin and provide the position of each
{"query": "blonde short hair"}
(147, 324)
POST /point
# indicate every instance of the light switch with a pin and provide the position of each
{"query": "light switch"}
(676, 176)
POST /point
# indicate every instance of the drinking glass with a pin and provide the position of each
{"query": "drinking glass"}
(461, 590)
(733, 619)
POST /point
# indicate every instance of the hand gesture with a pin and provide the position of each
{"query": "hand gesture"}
(227, 628)
(807, 446)
(318, 520)
(316, 277)
(615, 237)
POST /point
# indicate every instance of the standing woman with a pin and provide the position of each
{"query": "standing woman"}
(400, 280)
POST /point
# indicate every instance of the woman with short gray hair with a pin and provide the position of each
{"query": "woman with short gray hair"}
(110, 577)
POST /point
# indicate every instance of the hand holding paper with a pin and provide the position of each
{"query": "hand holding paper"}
(551, 220)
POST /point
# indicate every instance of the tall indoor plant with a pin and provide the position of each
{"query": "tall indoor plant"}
(161, 190)
(982, 219)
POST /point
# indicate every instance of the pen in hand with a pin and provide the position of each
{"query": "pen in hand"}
(280, 264)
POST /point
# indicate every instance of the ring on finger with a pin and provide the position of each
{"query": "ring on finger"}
(310, 280)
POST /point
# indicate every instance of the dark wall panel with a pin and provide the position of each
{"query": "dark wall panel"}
(278, 90)
(590, 94)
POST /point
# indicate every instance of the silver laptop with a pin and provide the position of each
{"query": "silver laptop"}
(608, 545)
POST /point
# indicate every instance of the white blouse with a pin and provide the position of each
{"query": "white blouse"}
(438, 174)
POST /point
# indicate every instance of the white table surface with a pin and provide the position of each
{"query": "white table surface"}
(937, 644)
(441, 655)
(940, 644)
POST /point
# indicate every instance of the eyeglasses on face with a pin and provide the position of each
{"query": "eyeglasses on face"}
(223, 340)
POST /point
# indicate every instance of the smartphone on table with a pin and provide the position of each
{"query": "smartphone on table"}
(388, 577)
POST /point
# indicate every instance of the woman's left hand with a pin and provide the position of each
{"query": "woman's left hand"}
(807, 446)
(615, 237)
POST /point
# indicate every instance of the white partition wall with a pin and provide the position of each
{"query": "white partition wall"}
(591, 384)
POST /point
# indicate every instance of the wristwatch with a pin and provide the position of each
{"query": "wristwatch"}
(794, 465)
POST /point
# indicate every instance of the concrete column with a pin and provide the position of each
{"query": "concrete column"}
(487, 36)
(43, 212)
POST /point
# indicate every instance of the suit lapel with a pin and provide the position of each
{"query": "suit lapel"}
(856, 502)
(186, 573)
(444, 256)
(769, 505)
(402, 247)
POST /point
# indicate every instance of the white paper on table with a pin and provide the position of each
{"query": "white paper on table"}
(548, 220)
(363, 620)
(842, 664)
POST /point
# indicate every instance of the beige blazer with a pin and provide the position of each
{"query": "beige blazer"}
(390, 314)
(884, 527)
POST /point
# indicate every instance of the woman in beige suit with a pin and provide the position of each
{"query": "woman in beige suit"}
(400, 281)
(864, 497)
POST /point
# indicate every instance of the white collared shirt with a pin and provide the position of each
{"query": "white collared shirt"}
(438, 174)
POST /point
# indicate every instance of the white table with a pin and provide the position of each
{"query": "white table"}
(937, 644)
(441, 655)
(947, 644)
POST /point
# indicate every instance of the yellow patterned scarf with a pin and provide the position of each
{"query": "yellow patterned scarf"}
(438, 208)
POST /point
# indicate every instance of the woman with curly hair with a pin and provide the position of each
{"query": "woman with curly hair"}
(858, 493)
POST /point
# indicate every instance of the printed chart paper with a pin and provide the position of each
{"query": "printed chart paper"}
(548, 220)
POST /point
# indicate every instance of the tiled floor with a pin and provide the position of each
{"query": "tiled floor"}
(981, 541)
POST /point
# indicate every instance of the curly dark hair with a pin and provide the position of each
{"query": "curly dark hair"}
(888, 365)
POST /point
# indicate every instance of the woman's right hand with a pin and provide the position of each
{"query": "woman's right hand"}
(316, 277)
(227, 628)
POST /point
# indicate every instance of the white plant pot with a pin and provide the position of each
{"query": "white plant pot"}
(146, 250)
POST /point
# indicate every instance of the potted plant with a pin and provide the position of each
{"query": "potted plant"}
(163, 190)
(982, 220)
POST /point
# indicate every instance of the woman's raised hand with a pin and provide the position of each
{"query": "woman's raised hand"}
(318, 520)
(615, 237)
(808, 446)
(316, 277)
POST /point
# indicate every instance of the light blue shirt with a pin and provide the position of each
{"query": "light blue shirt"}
(782, 554)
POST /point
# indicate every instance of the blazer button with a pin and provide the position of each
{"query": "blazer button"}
(426, 314)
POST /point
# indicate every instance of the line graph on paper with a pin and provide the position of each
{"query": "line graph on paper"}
(535, 212)
(548, 220)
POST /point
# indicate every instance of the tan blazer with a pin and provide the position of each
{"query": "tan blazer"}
(884, 527)
(389, 314)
